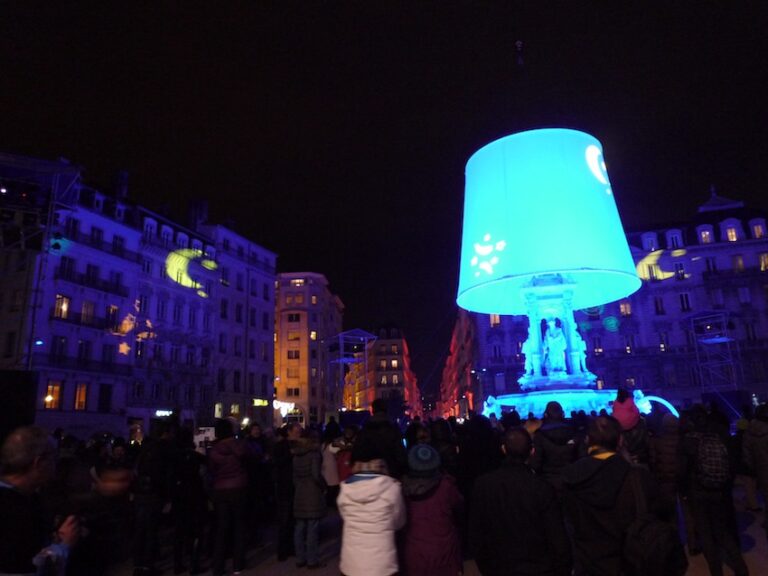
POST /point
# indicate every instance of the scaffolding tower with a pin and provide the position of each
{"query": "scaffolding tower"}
(717, 353)
(348, 349)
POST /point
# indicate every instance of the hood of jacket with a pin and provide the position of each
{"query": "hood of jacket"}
(415, 487)
(366, 488)
(597, 482)
(559, 433)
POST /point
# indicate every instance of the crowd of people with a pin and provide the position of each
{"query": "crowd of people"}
(545, 495)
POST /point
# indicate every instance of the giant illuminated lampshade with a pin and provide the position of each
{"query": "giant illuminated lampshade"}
(538, 205)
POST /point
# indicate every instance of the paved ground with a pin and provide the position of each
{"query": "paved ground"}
(262, 560)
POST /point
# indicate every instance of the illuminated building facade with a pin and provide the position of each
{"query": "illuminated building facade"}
(308, 317)
(390, 373)
(698, 324)
(110, 308)
(459, 383)
(244, 321)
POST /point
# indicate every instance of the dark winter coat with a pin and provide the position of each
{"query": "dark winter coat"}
(636, 443)
(755, 451)
(385, 436)
(227, 464)
(665, 463)
(308, 483)
(431, 542)
(555, 447)
(600, 504)
(516, 526)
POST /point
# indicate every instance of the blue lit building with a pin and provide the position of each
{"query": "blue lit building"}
(697, 328)
(114, 312)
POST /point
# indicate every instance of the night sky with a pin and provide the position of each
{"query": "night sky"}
(336, 133)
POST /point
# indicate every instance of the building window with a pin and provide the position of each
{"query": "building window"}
(177, 312)
(383, 380)
(61, 308)
(394, 349)
(685, 302)
(239, 282)
(236, 381)
(731, 234)
(223, 343)
(745, 297)
(674, 239)
(299, 299)
(221, 379)
(394, 364)
(738, 262)
(265, 321)
(104, 403)
(234, 409)
(495, 320)
(81, 396)
(650, 241)
(629, 382)
(192, 320)
(705, 236)
(313, 334)
(142, 304)
(265, 292)
(52, 400)
(146, 266)
(237, 346)
(292, 372)
(58, 347)
(382, 364)
(313, 299)
(218, 410)
(763, 261)
(395, 379)
(658, 305)
(652, 272)
(252, 349)
(294, 317)
(239, 313)
(625, 308)
(108, 353)
(497, 351)
(293, 354)
(758, 230)
(297, 282)
(711, 264)
(224, 308)
(87, 312)
(679, 270)
(629, 343)
(293, 392)
(293, 335)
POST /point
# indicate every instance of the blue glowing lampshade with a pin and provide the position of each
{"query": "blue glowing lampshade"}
(540, 203)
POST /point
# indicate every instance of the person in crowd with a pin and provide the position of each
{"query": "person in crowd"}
(442, 439)
(516, 526)
(385, 435)
(745, 474)
(188, 504)
(431, 540)
(309, 504)
(634, 432)
(599, 499)
(330, 470)
(665, 466)
(755, 450)
(372, 507)
(152, 494)
(283, 475)
(344, 455)
(30, 540)
(258, 481)
(707, 478)
(229, 485)
(555, 446)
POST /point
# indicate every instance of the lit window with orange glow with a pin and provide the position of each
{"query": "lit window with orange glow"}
(758, 231)
(394, 364)
(625, 307)
(81, 396)
(52, 400)
(705, 236)
(61, 308)
(313, 335)
(297, 282)
(763, 262)
(495, 320)
(731, 234)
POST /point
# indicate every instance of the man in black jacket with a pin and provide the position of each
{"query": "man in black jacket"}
(599, 500)
(516, 526)
(556, 445)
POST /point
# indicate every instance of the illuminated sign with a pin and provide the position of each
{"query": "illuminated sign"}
(283, 407)
(540, 204)
(260, 402)
(163, 413)
(177, 268)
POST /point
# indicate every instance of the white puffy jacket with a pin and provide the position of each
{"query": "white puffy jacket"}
(373, 509)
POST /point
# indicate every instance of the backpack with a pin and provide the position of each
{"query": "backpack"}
(712, 462)
(651, 546)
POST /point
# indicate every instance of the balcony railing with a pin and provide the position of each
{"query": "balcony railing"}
(86, 365)
(88, 320)
(99, 244)
(96, 283)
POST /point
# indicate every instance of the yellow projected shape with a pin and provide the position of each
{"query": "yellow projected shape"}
(177, 268)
